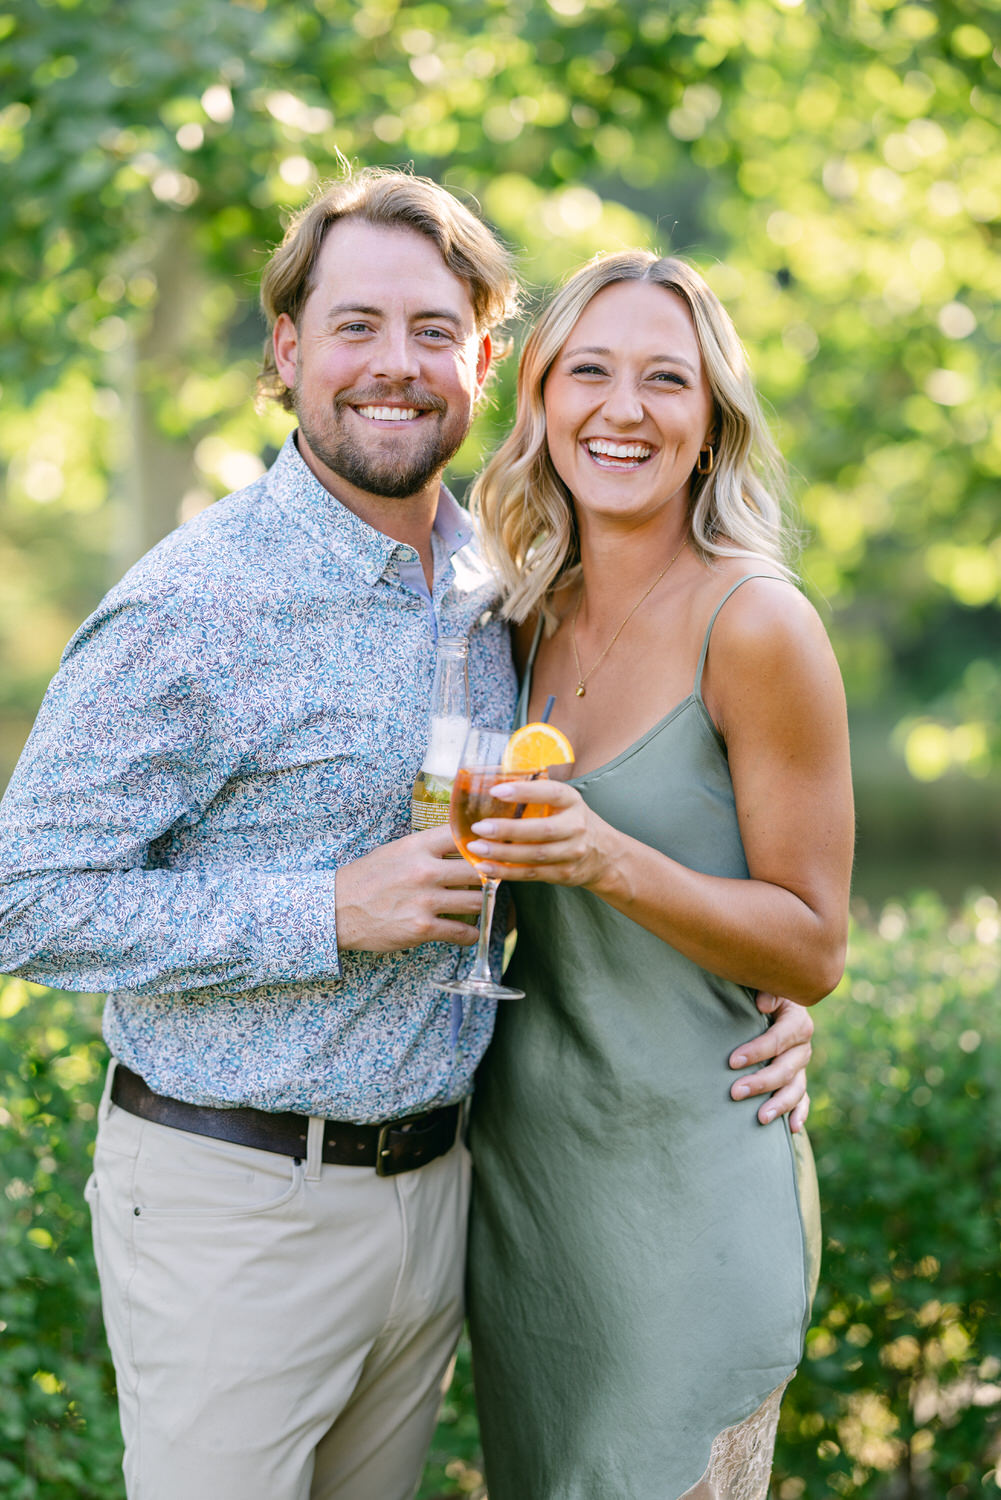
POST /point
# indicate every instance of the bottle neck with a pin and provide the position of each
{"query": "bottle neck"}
(449, 719)
(450, 688)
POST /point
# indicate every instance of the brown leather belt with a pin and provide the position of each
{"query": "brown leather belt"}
(393, 1146)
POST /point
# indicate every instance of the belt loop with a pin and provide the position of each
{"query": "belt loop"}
(104, 1108)
(314, 1148)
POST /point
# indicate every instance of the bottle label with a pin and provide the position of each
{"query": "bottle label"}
(427, 815)
(429, 801)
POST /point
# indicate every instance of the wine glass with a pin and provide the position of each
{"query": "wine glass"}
(470, 802)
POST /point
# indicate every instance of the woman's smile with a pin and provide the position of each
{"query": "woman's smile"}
(610, 455)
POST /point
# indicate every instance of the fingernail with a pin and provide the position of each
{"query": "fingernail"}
(477, 847)
(740, 1091)
(487, 829)
(767, 1115)
(739, 1061)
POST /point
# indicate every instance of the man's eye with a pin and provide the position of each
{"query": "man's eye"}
(356, 328)
(436, 335)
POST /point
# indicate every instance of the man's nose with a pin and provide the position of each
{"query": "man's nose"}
(394, 356)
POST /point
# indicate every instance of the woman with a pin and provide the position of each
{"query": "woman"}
(640, 1267)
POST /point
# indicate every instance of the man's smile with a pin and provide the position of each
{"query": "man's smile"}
(388, 413)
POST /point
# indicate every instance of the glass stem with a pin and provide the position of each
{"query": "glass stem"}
(481, 968)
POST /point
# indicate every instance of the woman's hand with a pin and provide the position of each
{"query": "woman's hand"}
(569, 846)
(785, 1049)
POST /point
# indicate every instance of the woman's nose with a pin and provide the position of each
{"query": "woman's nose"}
(622, 405)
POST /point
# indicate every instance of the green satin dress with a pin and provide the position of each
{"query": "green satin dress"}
(643, 1252)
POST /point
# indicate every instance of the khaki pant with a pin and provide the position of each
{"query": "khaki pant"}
(280, 1330)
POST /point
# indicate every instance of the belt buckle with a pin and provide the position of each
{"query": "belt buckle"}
(384, 1164)
(383, 1160)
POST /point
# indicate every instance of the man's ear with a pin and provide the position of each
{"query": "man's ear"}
(285, 342)
(483, 359)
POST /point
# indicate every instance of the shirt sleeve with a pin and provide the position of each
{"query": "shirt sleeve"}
(153, 710)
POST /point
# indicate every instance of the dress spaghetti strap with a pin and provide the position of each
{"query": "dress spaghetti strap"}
(521, 709)
(534, 648)
(697, 690)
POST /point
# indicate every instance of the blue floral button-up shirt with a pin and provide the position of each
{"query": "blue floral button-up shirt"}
(243, 714)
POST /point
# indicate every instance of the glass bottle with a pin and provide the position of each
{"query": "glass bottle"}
(447, 730)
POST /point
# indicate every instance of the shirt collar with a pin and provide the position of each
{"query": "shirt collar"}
(452, 523)
(297, 488)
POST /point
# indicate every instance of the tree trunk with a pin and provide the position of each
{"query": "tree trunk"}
(155, 471)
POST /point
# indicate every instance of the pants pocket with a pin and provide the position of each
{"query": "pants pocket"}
(183, 1176)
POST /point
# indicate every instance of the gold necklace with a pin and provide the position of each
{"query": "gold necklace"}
(583, 676)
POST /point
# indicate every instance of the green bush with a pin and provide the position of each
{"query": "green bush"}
(900, 1392)
(58, 1422)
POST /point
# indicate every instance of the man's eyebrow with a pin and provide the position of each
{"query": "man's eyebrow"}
(430, 314)
(438, 315)
(653, 359)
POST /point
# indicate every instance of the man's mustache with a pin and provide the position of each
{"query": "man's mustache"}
(407, 395)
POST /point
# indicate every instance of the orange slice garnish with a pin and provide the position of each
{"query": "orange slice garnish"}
(534, 747)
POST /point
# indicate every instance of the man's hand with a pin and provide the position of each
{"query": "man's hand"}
(394, 897)
(787, 1044)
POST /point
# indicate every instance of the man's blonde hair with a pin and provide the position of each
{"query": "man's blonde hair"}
(525, 511)
(398, 200)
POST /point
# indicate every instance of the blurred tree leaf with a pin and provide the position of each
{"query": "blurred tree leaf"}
(834, 165)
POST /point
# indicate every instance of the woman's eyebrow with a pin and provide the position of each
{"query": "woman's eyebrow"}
(653, 359)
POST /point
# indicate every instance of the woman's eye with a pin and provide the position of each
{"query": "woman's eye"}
(587, 370)
(668, 377)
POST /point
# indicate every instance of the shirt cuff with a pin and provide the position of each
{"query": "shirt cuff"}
(297, 928)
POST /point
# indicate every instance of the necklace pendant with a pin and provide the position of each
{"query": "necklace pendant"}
(580, 690)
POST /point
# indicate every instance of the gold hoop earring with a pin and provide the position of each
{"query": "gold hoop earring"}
(706, 460)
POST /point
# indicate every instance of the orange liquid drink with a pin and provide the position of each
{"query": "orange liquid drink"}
(471, 801)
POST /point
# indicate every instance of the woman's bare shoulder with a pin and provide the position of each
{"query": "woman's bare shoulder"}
(767, 606)
(721, 573)
(769, 651)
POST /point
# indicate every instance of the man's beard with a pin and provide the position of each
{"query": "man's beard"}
(392, 475)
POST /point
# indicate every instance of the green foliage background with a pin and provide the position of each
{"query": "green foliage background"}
(834, 166)
(900, 1391)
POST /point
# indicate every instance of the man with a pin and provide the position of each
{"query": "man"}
(209, 821)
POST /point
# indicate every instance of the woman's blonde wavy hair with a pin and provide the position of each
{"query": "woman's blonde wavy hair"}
(525, 510)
